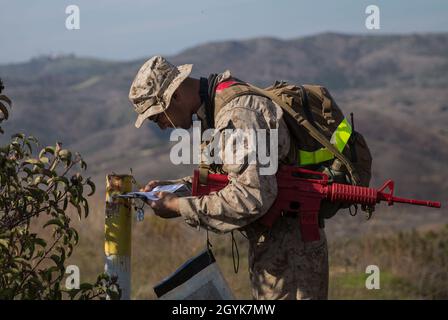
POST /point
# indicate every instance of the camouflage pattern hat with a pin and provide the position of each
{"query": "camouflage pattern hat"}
(154, 85)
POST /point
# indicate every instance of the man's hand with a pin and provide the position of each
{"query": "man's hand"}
(167, 206)
(154, 183)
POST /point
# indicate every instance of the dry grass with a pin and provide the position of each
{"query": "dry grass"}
(158, 248)
(413, 264)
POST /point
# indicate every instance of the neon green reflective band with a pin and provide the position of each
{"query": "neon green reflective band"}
(339, 139)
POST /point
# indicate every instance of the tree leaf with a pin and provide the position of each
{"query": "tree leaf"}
(20, 136)
(56, 259)
(53, 222)
(86, 207)
(4, 243)
(36, 162)
(45, 150)
(6, 99)
(4, 111)
(65, 154)
(92, 187)
(85, 286)
(41, 242)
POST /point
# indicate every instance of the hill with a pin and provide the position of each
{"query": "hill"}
(395, 85)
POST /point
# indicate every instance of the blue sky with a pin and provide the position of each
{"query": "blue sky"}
(124, 30)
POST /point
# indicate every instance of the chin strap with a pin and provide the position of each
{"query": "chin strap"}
(169, 119)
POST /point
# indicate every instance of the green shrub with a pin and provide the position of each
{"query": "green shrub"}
(35, 192)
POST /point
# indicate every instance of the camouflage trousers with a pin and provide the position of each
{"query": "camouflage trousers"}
(282, 266)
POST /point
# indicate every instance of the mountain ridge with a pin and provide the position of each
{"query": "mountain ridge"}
(396, 86)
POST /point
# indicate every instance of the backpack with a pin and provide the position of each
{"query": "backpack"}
(322, 139)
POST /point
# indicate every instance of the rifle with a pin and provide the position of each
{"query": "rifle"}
(301, 191)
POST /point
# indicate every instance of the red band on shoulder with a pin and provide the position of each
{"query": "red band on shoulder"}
(225, 84)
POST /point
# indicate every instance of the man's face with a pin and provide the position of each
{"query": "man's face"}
(179, 112)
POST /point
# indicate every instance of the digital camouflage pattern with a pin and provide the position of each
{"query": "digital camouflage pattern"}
(281, 265)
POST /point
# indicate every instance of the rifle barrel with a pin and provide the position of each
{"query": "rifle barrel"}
(426, 203)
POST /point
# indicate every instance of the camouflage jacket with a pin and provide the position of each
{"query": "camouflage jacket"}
(249, 194)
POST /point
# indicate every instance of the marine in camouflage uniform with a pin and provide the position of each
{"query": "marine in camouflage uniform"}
(281, 265)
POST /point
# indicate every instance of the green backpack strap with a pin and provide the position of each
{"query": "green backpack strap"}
(311, 130)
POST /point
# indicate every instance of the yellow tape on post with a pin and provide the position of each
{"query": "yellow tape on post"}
(118, 216)
(118, 231)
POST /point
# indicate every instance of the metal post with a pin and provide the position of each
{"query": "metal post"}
(117, 246)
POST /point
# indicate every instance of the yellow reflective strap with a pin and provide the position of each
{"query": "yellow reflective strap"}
(339, 139)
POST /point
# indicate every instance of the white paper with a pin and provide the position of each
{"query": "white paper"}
(150, 195)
